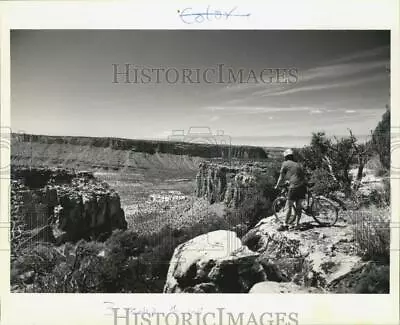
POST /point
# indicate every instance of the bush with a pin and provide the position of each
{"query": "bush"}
(256, 203)
(34, 266)
(369, 278)
(381, 139)
(125, 262)
(374, 279)
(250, 211)
(323, 183)
(380, 197)
(372, 234)
(40, 258)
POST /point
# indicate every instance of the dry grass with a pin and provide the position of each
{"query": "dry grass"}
(372, 232)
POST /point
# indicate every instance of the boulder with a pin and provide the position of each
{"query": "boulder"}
(282, 287)
(213, 262)
(313, 256)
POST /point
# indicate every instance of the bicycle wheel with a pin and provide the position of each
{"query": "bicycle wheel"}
(280, 210)
(324, 211)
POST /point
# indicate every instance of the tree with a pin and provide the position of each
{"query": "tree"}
(335, 156)
(381, 139)
(362, 152)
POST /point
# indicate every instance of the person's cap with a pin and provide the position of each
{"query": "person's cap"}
(287, 152)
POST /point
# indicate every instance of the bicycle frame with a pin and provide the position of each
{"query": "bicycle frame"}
(308, 208)
(308, 198)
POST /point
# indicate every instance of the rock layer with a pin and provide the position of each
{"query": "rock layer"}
(75, 205)
(228, 184)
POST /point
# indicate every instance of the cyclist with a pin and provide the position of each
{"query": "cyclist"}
(293, 172)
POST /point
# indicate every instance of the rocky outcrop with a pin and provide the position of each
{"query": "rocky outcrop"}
(213, 262)
(310, 257)
(228, 184)
(88, 209)
(73, 205)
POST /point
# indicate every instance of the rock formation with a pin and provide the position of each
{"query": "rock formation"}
(213, 262)
(311, 257)
(73, 205)
(58, 148)
(228, 184)
(310, 260)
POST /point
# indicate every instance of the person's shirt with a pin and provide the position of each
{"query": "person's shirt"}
(293, 172)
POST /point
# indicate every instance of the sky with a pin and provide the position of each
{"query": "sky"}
(62, 83)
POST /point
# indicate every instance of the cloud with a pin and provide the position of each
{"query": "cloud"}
(349, 71)
(316, 111)
(254, 109)
(342, 70)
(214, 118)
(349, 83)
(215, 108)
(375, 52)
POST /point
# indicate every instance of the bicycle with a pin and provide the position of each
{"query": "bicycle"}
(320, 208)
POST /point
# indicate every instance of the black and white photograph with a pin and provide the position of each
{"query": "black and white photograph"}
(200, 161)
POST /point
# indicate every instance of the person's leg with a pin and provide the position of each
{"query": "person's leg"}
(298, 211)
(289, 206)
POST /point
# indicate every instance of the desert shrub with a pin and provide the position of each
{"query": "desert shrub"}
(380, 197)
(376, 166)
(253, 209)
(127, 242)
(372, 234)
(370, 278)
(335, 156)
(381, 172)
(323, 183)
(131, 262)
(256, 203)
(374, 279)
(386, 191)
(40, 258)
(33, 266)
(113, 266)
(381, 139)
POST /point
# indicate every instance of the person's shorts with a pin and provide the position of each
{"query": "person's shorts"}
(297, 193)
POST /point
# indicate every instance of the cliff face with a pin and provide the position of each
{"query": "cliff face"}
(25, 145)
(64, 205)
(222, 183)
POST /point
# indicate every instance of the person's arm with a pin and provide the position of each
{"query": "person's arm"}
(278, 183)
(281, 176)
